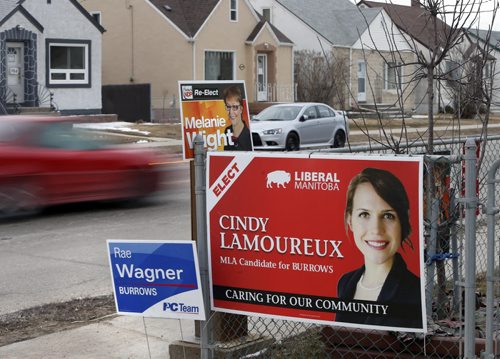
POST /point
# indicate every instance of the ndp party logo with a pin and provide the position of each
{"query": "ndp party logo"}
(187, 92)
(303, 180)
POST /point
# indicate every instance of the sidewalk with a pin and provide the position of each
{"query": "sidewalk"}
(155, 142)
(115, 338)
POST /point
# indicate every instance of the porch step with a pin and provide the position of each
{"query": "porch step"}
(37, 111)
(10, 108)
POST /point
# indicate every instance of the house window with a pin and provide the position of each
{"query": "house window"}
(487, 70)
(266, 14)
(233, 10)
(219, 65)
(392, 76)
(68, 63)
(97, 16)
(453, 70)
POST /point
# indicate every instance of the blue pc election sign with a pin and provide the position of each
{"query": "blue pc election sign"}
(156, 278)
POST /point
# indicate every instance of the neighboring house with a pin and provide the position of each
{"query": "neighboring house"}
(50, 56)
(492, 48)
(357, 36)
(416, 25)
(163, 41)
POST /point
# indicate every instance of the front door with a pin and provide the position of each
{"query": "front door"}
(15, 71)
(361, 81)
(262, 77)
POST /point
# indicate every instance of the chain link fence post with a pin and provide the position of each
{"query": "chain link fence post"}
(470, 203)
(431, 252)
(455, 264)
(201, 235)
(491, 210)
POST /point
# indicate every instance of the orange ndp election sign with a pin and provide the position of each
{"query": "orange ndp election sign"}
(319, 238)
(218, 111)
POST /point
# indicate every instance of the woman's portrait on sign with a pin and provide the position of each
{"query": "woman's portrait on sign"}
(238, 131)
(377, 219)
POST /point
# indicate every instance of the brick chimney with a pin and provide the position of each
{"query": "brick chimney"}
(415, 3)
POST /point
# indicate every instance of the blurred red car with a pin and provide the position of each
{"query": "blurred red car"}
(46, 161)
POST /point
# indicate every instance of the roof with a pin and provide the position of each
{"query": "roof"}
(282, 38)
(415, 21)
(188, 16)
(483, 34)
(339, 21)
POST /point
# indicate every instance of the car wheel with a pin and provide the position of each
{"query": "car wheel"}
(292, 142)
(18, 200)
(339, 139)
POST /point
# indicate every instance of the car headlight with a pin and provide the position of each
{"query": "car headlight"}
(274, 131)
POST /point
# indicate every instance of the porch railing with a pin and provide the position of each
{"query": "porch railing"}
(273, 92)
(8, 101)
(37, 96)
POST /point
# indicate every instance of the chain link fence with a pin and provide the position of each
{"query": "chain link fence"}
(235, 336)
(493, 263)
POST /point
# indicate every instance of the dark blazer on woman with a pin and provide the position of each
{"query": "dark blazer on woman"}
(241, 143)
(401, 291)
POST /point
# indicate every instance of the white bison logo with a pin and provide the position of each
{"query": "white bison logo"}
(279, 177)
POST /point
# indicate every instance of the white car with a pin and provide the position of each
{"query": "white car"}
(295, 125)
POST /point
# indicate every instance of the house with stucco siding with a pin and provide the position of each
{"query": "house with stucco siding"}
(50, 56)
(354, 36)
(160, 42)
(415, 22)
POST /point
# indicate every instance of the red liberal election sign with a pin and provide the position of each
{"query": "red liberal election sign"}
(328, 239)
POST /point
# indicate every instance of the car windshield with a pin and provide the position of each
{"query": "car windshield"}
(278, 113)
(65, 136)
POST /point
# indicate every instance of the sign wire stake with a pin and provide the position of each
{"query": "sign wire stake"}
(147, 338)
(182, 338)
(425, 345)
(209, 319)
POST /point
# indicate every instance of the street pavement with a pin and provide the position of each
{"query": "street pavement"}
(114, 336)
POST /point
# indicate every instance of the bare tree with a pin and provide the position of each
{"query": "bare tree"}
(472, 82)
(319, 78)
(447, 26)
(437, 37)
